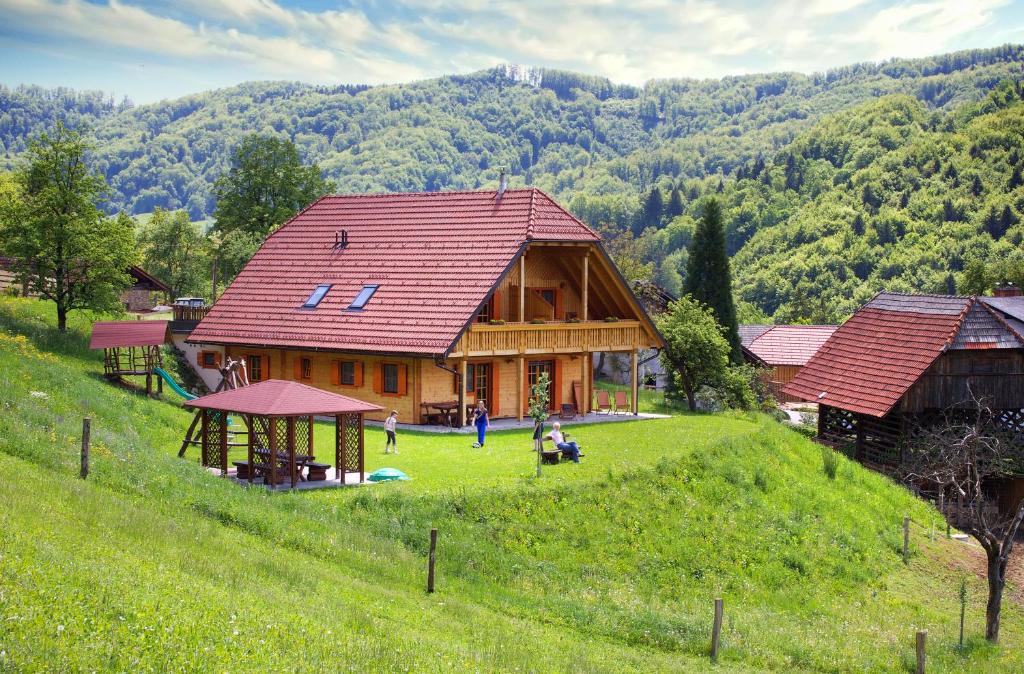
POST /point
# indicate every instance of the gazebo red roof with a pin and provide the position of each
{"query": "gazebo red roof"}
(434, 258)
(110, 334)
(278, 398)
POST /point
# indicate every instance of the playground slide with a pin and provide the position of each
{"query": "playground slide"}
(173, 384)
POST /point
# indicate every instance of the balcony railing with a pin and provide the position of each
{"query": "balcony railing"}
(552, 337)
(187, 313)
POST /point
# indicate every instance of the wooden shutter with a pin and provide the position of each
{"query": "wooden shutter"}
(336, 372)
(556, 385)
(357, 375)
(298, 368)
(496, 302)
(403, 379)
(378, 378)
(559, 315)
(492, 404)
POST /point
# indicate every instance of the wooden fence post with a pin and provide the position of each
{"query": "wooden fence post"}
(430, 563)
(921, 636)
(906, 539)
(716, 630)
(86, 428)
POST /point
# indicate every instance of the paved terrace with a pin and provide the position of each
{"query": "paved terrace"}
(509, 424)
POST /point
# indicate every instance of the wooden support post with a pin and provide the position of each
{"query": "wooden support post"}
(522, 288)
(635, 369)
(432, 558)
(223, 443)
(520, 389)
(250, 446)
(716, 630)
(188, 435)
(906, 539)
(86, 432)
(290, 429)
(586, 359)
(585, 285)
(204, 437)
(922, 636)
(462, 393)
(362, 450)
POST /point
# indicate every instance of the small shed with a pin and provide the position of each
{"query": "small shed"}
(145, 287)
(783, 350)
(279, 420)
(131, 348)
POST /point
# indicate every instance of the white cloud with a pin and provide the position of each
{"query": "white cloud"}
(923, 28)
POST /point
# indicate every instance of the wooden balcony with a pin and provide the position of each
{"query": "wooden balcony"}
(186, 318)
(512, 339)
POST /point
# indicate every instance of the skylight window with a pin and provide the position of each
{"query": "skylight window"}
(362, 298)
(318, 294)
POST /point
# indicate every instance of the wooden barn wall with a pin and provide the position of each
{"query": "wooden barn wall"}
(779, 376)
(995, 374)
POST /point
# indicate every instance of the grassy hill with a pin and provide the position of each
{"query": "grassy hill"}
(153, 564)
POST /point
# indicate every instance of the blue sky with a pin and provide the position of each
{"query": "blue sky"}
(152, 50)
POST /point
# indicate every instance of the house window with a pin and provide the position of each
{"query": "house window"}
(318, 294)
(481, 381)
(254, 364)
(390, 378)
(209, 360)
(363, 297)
(470, 378)
(305, 368)
(487, 313)
(348, 373)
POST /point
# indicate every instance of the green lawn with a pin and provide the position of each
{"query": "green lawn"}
(611, 565)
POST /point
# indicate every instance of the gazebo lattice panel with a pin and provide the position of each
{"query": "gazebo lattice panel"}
(260, 429)
(349, 443)
(215, 440)
(303, 436)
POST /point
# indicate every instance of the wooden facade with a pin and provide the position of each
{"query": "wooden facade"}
(556, 306)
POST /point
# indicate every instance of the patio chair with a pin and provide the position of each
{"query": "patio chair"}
(568, 411)
(621, 403)
(603, 403)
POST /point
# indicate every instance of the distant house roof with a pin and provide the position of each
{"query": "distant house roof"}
(789, 344)
(874, 358)
(142, 277)
(109, 334)
(749, 332)
(434, 258)
(278, 398)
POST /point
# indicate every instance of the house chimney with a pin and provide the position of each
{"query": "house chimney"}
(1006, 289)
(502, 183)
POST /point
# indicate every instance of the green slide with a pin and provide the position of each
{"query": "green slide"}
(173, 384)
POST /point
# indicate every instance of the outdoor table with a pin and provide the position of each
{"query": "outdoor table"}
(445, 408)
(282, 459)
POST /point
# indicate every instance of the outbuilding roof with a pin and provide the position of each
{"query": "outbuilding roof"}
(278, 398)
(433, 257)
(109, 334)
(874, 358)
(789, 344)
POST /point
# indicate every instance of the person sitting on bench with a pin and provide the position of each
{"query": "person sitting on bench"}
(570, 449)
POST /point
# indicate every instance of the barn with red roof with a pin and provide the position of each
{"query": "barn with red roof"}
(903, 359)
(783, 349)
(422, 302)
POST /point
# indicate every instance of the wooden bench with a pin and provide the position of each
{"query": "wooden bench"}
(317, 471)
(241, 469)
(550, 456)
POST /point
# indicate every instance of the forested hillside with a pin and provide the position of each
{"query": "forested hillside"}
(831, 188)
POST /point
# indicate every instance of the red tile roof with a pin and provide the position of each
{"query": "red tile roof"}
(435, 256)
(790, 344)
(108, 334)
(874, 358)
(278, 398)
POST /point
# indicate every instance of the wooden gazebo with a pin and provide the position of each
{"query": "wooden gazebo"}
(279, 418)
(131, 348)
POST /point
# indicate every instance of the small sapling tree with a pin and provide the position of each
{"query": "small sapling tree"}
(963, 452)
(540, 396)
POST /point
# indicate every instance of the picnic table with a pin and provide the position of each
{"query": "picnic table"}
(444, 408)
(301, 461)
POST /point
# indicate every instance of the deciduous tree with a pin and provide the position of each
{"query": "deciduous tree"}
(696, 353)
(65, 248)
(174, 250)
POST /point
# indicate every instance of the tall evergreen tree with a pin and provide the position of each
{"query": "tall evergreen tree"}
(650, 213)
(675, 203)
(708, 278)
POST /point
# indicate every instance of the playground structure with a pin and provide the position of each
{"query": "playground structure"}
(132, 349)
(233, 376)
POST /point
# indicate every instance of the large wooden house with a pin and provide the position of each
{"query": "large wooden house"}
(410, 299)
(904, 360)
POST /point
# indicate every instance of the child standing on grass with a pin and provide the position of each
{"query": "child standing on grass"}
(389, 428)
(481, 422)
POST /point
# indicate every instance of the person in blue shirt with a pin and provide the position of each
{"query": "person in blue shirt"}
(481, 422)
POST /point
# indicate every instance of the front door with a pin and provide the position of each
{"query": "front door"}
(534, 369)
